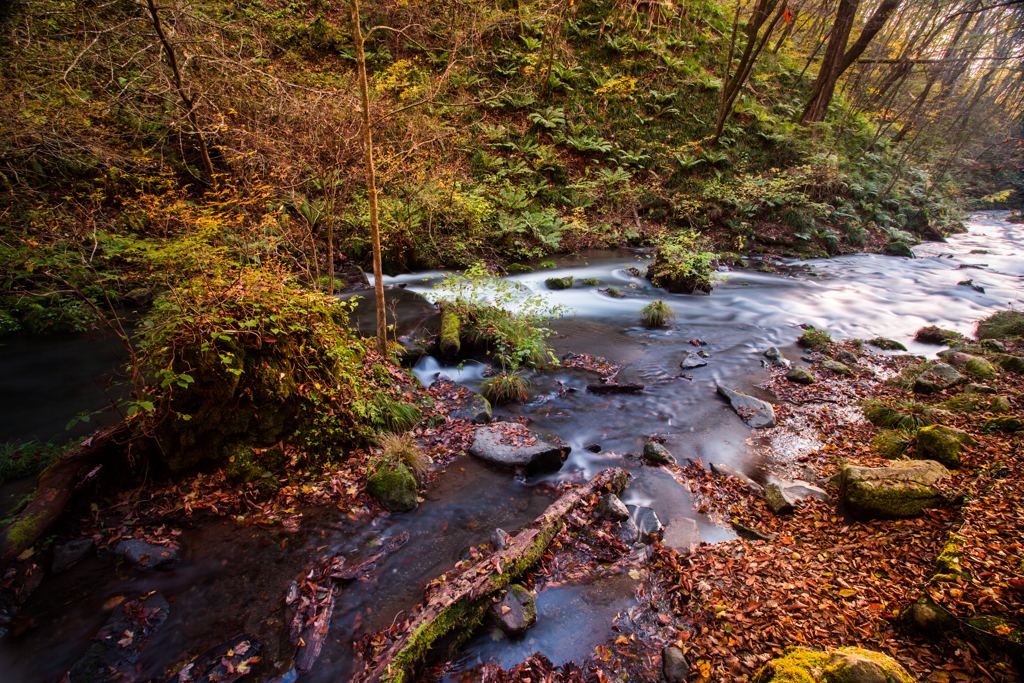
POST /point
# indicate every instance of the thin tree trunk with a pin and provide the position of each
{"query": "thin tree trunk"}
(828, 73)
(371, 184)
(186, 100)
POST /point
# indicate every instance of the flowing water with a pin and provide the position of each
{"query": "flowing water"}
(233, 578)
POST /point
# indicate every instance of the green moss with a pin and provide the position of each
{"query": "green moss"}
(23, 533)
(936, 335)
(559, 282)
(842, 669)
(815, 339)
(997, 635)
(796, 666)
(683, 264)
(980, 368)
(906, 415)
(1006, 424)
(394, 486)
(518, 269)
(942, 444)
(1002, 325)
(451, 331)
(886, 344)
(891, 444)
(948, 561)
(1010, 363)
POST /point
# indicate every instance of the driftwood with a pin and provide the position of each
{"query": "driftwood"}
(461, 603)
(56, 484)
(615, 388)
(316, 598)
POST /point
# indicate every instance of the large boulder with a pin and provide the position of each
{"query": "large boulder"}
(942, 444)
(515, 612)
(845, 665)
(507, 444)
(903, 489)
(394, 487)
(938, 377)
(755, 412)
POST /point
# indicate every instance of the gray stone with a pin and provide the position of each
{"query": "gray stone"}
(778, 502)
(507, 444)
(800, 376)
(477, 410)
(648, 524)
(627, 532)
(66, 555)
(957, 359)
(703, 354)
(903, 489)
(515, 612)
(723, 470)
(593, 448)
(682, 535)
(113, 653)
(611, 507)
(691, 361)
(776, 357)
(938, 377)
(144, 554)
(673, 664)
(656, 453)
(139, 297)
(499, 539)
(973, 388)
(755, 412)
(803, 490)
(783, 495)
(836, 367)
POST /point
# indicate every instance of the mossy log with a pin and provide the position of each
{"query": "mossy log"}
(56, 484)
(451, 332)
(462, 603)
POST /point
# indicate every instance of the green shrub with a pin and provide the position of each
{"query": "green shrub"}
(657, 314)
(815, 339)
(683, 264)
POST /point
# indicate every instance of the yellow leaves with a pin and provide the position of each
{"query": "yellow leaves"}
(505, 609)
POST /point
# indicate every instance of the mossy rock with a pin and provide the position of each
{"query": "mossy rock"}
(1002, 325)
(680, 271)
(845, 665)
(836, 367)
(815, 339)
(656, 453)
(557, 283)
(942, 444)
(246, 464)
(891, 444)
(979, 368)
(1009, 363)
(518, 269)
(1006, 425)
(903, 489)
(886, 344)
(899, 249)
(947, 564)
(997, 635)
(451, 334)
(394, 488)
(936, 335)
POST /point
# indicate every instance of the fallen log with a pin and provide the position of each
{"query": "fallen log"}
(611, 388)
(56, 484)
(462, 602)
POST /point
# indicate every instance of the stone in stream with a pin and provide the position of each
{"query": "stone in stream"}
(903, 489)
(559, 282)
(515, 612)
(477, 410)
(886, 344)
(800, 376)
(611, 507)
(938, 377)
(755, 412)
(499, 539)
(593, 448)
(648, 524)
(782, 496)
(777, 359)
(657, 454)
(120, 642)
(510, 445)
(66, 555)
(723, 470)
(691, 361)
(143, 554)
(673, 664)
(395, 488)
(627, 532)
(682, 535)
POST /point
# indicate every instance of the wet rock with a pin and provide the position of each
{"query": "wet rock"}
(800, 376)
(611, 507)
(121, 641)
(510, 445)
(1006, 425)
(776, 357)
(755, 412)
(751, 534)
(614, 388)
(782, 496)
(903, 489)
(139, 298)
(928, 618)
(143, 554)
(559, 282)
(350, 278)
(836, 367)
(673, 664)
(477, 410)
(395, 488)
(657, 454)
(724, 470)
(938, 377)
(515, 612)
(979, 368)
(899, 249)
(224, 663)
(691, 361)
(847, 357)
(518, 269)
(970, 283)
(593, 448)
(66, 555)
(648, 524)
(627, 532)
(886, 344)
(703, 354)
(682, 535)
(942, 444)
(499, 539)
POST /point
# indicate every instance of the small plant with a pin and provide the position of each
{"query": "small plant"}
(1003, 324)
(615, 292)
(815, 339)
(657, 314)
(404, 449)
(591, 281)
(546, 264)
(19, 460)
(508, 387)
(397, 417)
(905, 415)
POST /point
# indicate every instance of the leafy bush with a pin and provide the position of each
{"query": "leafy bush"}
(683, 263)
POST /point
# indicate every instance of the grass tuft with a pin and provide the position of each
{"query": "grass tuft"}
(815, 339)
(1001, 325)
(657, 314)
(508, 387)
(24, 459)
(404, 449)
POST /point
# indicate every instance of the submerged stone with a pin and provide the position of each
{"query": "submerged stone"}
(656, 453)
(692, 360)
(510, 445)
(682, 535)
(755, 412)
(648, 524)
(515, 612)
(119, 644)
(69, 553)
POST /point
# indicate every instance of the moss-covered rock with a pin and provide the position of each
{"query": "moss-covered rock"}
(942, 444)
(979, 368)
(656, 453)
(1002, 325)
(947, 564)
(798, 665)
(1010, 363)
(997, 635)
(559, 282)
(682, 266)
(897, 248)
(1006, 424)
(845, 665)
(886, 344)
(394, 487)
(800, 376)
(903, 489)
(518, 269)
(515, 612)
(836, 367)
(890, 443)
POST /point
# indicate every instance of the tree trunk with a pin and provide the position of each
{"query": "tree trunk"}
(828, 73)
(56, 484)
(371, 185)
(462, 602)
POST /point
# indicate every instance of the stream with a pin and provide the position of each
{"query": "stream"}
(232, 577)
